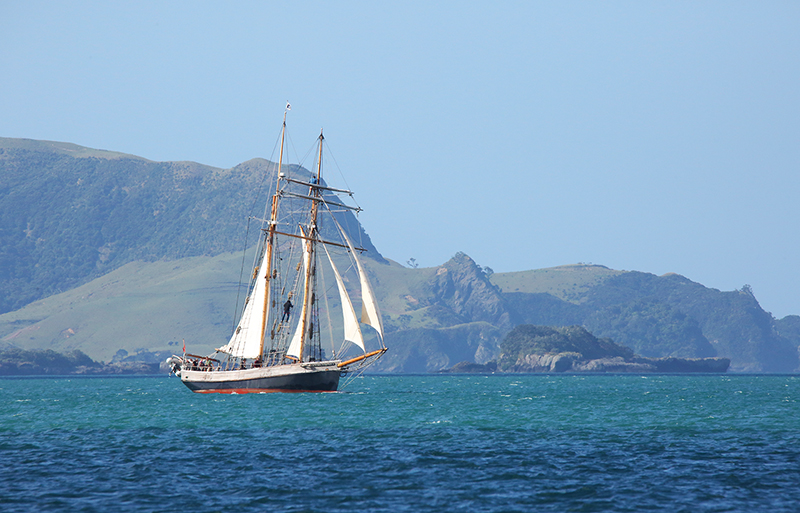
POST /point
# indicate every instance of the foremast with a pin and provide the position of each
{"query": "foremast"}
(270, 240)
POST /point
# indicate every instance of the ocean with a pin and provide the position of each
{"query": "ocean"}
(497, 443)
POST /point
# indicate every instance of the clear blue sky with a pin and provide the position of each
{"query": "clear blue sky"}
(651, 136)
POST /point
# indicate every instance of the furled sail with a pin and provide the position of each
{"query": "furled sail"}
(370, 314)
(246, 340)
(352, 331)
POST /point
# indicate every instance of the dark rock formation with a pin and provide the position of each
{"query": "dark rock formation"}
(463, 287)
(555, 349)
(471, 368)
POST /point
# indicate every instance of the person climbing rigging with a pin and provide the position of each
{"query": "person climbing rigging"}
(287, 306)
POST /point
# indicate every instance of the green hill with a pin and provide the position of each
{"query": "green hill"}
(69, 214)
(102, 252)
(142, 306)
(670, 315)
(566, 282)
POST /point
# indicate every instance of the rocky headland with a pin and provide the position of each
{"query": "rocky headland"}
(529, 348)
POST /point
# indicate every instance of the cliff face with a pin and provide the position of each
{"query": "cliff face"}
(655, 316)
(466, 314)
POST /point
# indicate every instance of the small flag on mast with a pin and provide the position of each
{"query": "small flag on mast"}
(288, 106)
(184, 346)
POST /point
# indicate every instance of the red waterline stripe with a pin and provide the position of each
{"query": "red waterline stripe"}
(260, 391)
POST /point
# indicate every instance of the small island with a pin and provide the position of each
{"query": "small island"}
(529, 348)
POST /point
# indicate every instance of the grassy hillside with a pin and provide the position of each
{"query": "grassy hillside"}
(140, 306)
(153, 306)
(69, 214)
(102, 252)
(434, 317)
(566, 282)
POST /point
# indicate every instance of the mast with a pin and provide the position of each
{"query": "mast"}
(309, 296)
(270, 237)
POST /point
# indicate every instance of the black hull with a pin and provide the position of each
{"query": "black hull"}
(314, 381)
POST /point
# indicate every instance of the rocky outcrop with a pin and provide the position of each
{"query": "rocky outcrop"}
(613, 365)
(559, 362)
(471, 368)
(529, 348)
(462, 286)
(575, 362)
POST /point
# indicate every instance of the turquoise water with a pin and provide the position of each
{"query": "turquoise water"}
(405, 443)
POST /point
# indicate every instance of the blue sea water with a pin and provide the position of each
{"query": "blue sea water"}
(494, 443)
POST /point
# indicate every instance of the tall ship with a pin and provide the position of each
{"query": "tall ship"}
(286, 338)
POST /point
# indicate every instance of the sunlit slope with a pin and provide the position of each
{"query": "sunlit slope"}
(154, 306)
(566, 282)
(79, 217)
(140, 306)
(433, 317)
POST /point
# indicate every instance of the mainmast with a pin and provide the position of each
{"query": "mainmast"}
(308, 296)
(270, 238)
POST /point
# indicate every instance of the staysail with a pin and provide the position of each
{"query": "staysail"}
(352, 331)
(370, 314)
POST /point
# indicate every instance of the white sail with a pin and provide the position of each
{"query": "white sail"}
(297, 338)
(370, 314)
(268, 354)
(246, 340)
(352, 331)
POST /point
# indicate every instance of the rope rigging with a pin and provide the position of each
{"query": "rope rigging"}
(283, 281)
